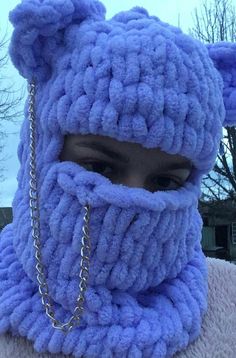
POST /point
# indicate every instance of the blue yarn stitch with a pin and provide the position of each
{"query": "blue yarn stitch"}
(136, 79)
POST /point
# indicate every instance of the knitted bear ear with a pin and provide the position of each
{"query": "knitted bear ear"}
(39, 27)
(223, 55)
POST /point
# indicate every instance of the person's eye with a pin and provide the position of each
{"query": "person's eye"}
(100, 167)
(162, 182)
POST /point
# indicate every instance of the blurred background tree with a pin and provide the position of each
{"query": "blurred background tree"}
(10, 98)
(214, 21)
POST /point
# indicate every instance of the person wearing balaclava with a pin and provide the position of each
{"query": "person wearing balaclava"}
(104, 259)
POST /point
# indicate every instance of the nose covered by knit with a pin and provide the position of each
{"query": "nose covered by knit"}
(147, 287)
(136, 79)
(137, 238)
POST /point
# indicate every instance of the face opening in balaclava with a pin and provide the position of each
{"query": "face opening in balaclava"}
(135, 79)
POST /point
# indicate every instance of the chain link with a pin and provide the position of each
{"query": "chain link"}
(35, 224)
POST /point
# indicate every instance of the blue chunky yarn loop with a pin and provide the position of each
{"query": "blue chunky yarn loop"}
(40, 31)
(223, 55)
(137, 79)
(133, 77)
(147, 290)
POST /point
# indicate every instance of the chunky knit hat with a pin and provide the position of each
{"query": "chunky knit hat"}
(137, 79)
(133, 77)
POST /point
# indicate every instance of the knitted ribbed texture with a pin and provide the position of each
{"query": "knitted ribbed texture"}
(137, 79)
(223, 55)
(148, 278)
(133, 77)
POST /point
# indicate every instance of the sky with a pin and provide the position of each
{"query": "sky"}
(172, 11)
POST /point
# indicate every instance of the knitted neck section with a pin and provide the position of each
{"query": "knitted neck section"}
(147, 288)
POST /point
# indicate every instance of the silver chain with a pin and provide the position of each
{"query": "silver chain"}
(35, 224)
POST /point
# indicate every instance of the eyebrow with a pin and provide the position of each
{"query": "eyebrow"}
(180, 165)
(118, 156)
(103, 149)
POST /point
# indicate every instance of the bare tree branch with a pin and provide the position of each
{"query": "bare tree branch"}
(217, 182)
(210, 190)
(215, 20)
(10, 98)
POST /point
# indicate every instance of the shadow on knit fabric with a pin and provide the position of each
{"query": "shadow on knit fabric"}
(136, 79)
(148, 278)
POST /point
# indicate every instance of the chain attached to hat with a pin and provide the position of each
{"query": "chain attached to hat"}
(35, 224)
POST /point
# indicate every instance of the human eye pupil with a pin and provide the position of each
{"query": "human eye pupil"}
(98, 167)
(165, 183)
(103, 168)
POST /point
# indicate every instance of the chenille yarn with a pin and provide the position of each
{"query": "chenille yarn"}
(147, 286)
(137, 79)
(133, 77)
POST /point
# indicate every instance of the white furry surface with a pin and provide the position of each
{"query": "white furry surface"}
(218, 338)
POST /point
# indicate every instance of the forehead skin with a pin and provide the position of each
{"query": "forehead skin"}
(135, 153)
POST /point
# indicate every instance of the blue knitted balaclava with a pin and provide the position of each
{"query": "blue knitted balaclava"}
(136, 79)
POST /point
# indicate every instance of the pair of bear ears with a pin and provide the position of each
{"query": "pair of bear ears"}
(40, 27)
